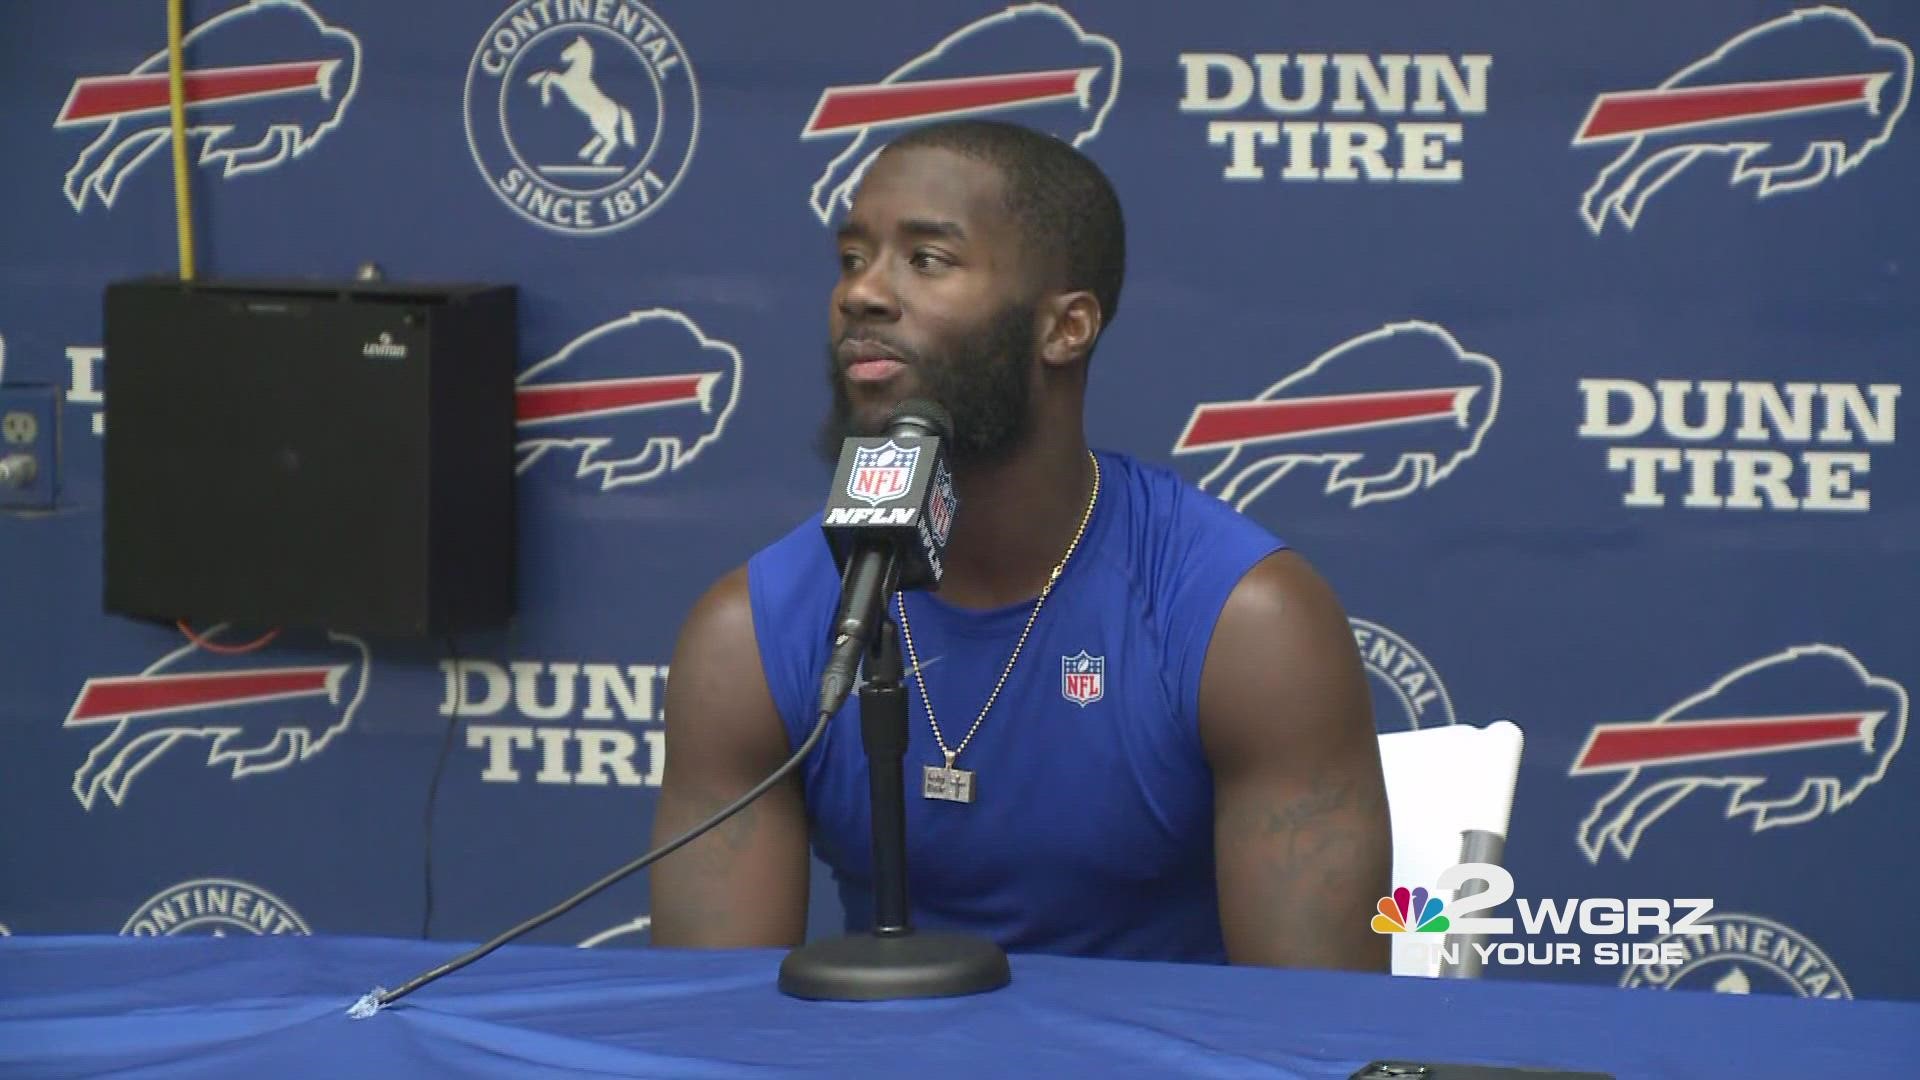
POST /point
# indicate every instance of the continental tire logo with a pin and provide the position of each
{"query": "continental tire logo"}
(214, 907)
(581, 117)
(1744, 954)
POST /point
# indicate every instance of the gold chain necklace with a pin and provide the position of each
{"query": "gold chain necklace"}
(956, 785)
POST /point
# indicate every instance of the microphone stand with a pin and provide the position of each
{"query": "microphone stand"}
(893, 960)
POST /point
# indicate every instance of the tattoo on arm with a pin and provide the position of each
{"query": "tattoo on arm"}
(713, 853)
(706, 864)
(1303, 874)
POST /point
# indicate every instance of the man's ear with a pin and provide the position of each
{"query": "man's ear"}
(1072, 324)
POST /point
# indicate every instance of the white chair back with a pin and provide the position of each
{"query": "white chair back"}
(1442, 783)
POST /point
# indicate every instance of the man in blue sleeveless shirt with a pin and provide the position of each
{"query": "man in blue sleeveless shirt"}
(1160, 709)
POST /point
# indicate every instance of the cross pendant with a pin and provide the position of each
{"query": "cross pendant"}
(946, 784)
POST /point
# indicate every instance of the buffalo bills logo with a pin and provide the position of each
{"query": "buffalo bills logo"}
(1083, 678)
(1784, 740)
(1031, 63)
(634, 932)
(1389, 413)
(882, 473)
(627, 401)
(267, 81)
(1794, 101)
(260, 711)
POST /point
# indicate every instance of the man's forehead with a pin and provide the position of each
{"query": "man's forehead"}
(922, 186)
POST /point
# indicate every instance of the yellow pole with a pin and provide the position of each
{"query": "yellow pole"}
(182, 202)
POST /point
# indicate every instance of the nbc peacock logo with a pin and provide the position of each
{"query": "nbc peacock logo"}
(1410, 911)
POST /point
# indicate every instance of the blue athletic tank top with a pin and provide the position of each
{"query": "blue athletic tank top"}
(1091, 831)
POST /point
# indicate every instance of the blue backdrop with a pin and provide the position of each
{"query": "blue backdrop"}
(1567, 339)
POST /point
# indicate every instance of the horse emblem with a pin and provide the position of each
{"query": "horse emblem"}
(611, 121)
(543, 74)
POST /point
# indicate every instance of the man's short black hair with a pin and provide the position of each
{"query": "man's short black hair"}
(1062, 201)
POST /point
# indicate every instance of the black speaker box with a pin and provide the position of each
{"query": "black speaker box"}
(310, 454)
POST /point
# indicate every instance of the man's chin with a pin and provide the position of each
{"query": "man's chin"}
(864, 417)
(870, 404)
(870, 418)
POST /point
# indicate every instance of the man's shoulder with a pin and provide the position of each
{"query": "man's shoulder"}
(1174, 531)
(803, 541)
(795, 568)
(1163, 492)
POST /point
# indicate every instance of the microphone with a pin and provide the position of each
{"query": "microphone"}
(887, 520)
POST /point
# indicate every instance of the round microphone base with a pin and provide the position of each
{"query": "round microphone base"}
(873, 967)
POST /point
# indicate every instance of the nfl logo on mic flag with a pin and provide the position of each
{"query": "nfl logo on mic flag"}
(882, 473)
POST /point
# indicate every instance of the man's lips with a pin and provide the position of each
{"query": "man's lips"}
(878, 369)
(866, 361)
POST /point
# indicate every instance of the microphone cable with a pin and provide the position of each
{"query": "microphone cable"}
(433, 792)
(380, 997)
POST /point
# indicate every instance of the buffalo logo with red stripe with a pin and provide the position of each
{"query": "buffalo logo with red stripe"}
(260, 710)
(627, 401)
(265, 82)
(1389, 413)
(1784, 739)
(1796, 100)
(1031, 64)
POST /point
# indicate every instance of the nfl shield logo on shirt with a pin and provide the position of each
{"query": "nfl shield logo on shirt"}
(1083, 678)
(881, 473)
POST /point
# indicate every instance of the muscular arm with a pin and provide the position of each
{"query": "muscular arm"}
(744, 883)
(1302, 837)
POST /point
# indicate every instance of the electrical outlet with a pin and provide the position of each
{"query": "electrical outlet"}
(29, 447)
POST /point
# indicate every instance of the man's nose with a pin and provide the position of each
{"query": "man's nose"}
(867, 294)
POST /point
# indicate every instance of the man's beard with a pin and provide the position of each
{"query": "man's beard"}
(984, 384)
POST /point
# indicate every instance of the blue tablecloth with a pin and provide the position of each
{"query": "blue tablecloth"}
(260, 1007)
